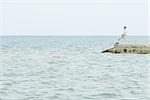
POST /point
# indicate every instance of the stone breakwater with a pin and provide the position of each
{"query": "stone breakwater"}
(129, 48)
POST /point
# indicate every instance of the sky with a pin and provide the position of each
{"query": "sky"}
(74, 17)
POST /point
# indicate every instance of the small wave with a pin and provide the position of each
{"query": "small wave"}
(106, 95)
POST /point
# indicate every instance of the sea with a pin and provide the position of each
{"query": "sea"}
(71, 68)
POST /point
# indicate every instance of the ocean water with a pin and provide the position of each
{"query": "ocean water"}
(71, 68)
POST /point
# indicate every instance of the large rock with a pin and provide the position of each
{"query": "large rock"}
(130, 48)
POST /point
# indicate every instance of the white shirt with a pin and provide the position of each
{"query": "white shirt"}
(124, 33)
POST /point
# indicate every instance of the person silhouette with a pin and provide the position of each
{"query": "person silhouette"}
(123, 36)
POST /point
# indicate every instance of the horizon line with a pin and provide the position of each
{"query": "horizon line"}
(64, 35)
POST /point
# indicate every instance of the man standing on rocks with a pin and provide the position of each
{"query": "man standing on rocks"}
(123, 36)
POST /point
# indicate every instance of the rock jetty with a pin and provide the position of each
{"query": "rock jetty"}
(129, 48)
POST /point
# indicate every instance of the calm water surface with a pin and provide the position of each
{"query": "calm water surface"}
(71, 68)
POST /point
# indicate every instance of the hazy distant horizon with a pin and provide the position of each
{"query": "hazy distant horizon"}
(74, 17)
(68, 35)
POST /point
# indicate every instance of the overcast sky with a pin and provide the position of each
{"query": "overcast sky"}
(73, 17)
